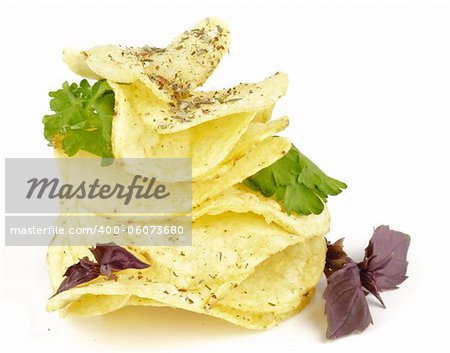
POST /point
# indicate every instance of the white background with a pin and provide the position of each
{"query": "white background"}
(368, 102)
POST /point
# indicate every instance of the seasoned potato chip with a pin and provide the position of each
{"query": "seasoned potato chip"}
(76, 61)
(171, 73)
(118, 64)
(93, 305)
(241, 200)
(299, 267)
(201, 107)
(207, 142)
(255, 133)
(191, 58)
(262, 155)
(229, 250)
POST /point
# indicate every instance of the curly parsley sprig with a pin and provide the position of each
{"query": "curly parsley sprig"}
(82, 118)
(297, 182)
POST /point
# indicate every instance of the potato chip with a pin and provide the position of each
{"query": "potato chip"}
(240, 199)
(201, 107)
(262, 300)
(76, 61)
(93, 305)
(235, 249)
(255, 133)
(191, 58)
(208, 142)
(262, 155)
(171, 72)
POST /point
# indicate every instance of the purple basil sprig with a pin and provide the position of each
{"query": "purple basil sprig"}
(110, 258)
(383, 267)
(345, 302)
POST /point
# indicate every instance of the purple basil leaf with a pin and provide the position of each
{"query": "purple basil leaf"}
(336, 257)
(112, 257)
(83, 271)
(345, 303)
(370, 285)
(385, 258)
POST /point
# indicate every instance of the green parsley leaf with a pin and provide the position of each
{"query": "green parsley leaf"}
(297, 182)
(82, 119)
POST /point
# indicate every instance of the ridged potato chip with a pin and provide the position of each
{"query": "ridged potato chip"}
(170, 73)
(201, 106)
(241, 200)
(231, 254)
(256, 132)
(208, 142)
(262, 155)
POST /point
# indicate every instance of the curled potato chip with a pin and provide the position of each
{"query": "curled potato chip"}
(191, 57)
(238, 252)
(207, 142)
(299, 266)
(76, 61)
(255, 133)
(262, 155)
(117, 64)
(171, 73)
(201, 107)
(240, 199)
